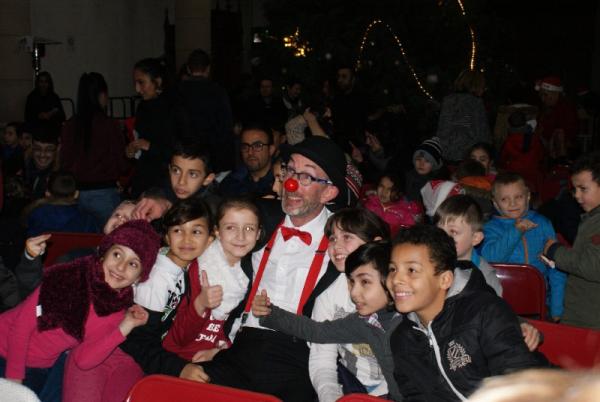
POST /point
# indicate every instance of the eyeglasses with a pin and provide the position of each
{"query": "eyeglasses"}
(255, 146)
(303, 178)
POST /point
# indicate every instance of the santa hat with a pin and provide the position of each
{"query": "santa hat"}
(550, 83)
(436, 191)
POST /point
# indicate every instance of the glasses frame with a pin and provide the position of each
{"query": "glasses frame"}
(256, 146)
(287, 172)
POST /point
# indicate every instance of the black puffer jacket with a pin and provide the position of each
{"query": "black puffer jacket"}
(475, 336)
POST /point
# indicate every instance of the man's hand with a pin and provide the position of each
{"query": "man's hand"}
(150, 208)
(209, 297)
(194, 372)
(373, 142)
(531, 336)
(261, 305)
(36, 246)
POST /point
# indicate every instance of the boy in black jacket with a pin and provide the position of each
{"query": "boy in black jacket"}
(457, 330)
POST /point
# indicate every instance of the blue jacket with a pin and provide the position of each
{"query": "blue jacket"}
(60, 218)
(505, 243)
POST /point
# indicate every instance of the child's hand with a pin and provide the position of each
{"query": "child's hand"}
(209, 297)
(547, 261)
(135, 316)
(36, 246)
(205, 355)
(194, 372)
(261, 305)
(523, 225)
(150, 209)
(531, 336)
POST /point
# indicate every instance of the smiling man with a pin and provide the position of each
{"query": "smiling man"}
(293, 268)
(255, 177)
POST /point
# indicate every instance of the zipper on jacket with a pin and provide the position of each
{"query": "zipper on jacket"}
(438, 358)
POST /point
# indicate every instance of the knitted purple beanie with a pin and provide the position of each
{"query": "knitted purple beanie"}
(139, 236)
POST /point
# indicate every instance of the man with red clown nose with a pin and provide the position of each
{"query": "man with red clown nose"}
(294, 269)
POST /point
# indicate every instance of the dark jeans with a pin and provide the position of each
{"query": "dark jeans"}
(264, 361)
(45, 382)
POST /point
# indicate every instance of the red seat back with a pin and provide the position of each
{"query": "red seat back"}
(358, 398)
(162, 388)
(569, 347)
(62, 242)
(523, 287)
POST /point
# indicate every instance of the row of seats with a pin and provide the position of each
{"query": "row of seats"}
(523, 288)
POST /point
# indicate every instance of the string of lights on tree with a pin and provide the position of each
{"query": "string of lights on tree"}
(411, 69)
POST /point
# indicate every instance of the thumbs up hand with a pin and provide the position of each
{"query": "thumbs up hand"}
(209, 297)
(261, 305)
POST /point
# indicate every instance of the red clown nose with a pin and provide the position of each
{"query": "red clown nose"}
(291, 185)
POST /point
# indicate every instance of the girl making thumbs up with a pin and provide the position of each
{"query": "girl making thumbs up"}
(217, 284)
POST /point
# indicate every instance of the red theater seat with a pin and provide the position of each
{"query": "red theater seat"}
(523, 287)
(62, 242)
(569, 347)
(162, 388)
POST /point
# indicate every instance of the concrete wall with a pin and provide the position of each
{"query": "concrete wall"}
(15, 64)
(107, 36)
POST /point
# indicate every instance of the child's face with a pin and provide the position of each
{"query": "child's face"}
(464, 236)
(278, 179)
(482, 157)
(188, 241)
(512, 200)
(238, 232)
(366, 291)
(122, 267)
(422, 166)
(10, 136)
(188, 176)
(25, 141)
(341, 244)
(385, 190)
(587, 190)
(119, 216)
(413, 283)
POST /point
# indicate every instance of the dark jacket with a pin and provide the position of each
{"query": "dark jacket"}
(476, 335)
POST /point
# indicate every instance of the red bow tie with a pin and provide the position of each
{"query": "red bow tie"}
(288, 233)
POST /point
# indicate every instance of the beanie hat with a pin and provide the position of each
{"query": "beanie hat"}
(139, 236)
(329, 157)
(431, 150)
(550, 83)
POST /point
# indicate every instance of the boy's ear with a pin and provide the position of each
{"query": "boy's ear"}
(495, 205)
(208, 179)
(76, 195)
(446, 279)
(477, 238)
(167, 240)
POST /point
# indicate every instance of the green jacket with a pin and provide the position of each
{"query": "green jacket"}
(582, 263)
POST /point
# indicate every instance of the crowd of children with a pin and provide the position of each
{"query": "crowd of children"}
(401, 299)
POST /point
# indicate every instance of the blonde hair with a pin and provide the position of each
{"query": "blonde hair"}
(540, 385)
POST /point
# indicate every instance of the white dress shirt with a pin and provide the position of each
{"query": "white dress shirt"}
(288, 265)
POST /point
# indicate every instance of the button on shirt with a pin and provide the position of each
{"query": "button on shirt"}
(288, 265)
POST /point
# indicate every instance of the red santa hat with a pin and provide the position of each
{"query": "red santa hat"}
(550, 83)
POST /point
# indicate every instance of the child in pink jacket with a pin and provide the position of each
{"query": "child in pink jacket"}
(392, 206)
(85, 306)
